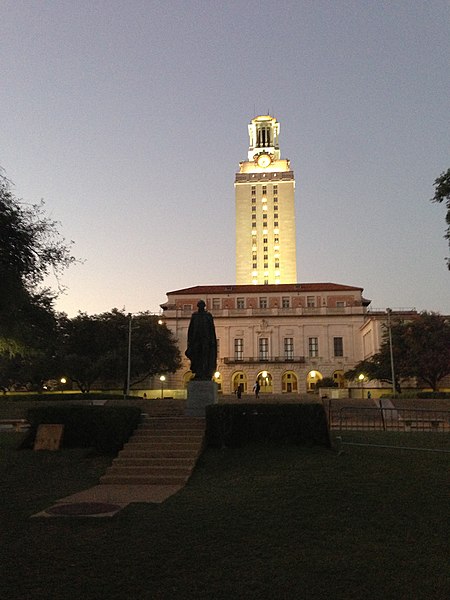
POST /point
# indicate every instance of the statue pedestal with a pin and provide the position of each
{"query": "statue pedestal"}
(199, 395)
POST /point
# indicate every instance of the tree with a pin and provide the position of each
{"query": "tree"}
(378, 366)
(421, 348)
(428, 341)
(95, 348)
(441, 193)
(30, 249)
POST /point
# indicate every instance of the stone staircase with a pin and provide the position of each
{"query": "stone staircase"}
(162, 451)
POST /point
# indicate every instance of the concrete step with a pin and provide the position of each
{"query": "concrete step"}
(171, 443)
(173, 423)
(148, 471)
(144, 480)
(161, 437)
(154, 462)
(162, 451)
(156, 453)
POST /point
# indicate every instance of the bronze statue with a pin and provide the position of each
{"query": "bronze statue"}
(202, 344)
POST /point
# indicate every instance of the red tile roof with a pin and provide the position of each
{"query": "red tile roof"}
(198, 290)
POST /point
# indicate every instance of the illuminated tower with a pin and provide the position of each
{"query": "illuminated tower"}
(265, 212)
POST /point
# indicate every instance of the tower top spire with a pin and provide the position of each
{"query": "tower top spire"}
(263, 132)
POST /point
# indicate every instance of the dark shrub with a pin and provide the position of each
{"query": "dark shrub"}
(105, 428)
(67, 397)
(433, 395)
(235, 424)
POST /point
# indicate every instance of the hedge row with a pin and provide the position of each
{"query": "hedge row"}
(233, 425)
(105, 428)
(68, 396)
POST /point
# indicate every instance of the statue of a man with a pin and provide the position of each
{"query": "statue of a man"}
(202, 344)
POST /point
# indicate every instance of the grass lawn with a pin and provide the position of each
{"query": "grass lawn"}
(270, 522)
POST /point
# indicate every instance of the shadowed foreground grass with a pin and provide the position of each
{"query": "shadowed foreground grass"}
(270, 522)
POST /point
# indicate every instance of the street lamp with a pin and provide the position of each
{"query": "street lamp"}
(361, 380)
(127, 393)
(162, 380)
(389, 311)
(63, 381)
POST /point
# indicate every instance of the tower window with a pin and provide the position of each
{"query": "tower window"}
(238, 348)
(240, 303)
(263, 303)
(313, 344)
(263, 348)
(275, 190)
(285, 302)
(264, 190)
(275, 223)
(310, 302)
(289, 348)
(253, 208)
(338, 345)
(253, 190)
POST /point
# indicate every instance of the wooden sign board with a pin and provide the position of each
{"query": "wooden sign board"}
(48, 437)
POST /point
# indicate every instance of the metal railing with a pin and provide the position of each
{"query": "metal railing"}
(389, 419)
(263, 359)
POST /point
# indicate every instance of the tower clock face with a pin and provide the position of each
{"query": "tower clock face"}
(263, 160)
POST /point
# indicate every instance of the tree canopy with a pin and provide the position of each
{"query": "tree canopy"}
(30, 249)
(441, 193)
(421, 348)
(95, 348)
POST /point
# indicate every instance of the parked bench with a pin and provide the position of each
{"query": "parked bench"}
(16, 424)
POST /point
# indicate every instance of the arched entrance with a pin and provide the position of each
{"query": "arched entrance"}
(289, 382)
(239, 379)
(265, 381)
(311, 380)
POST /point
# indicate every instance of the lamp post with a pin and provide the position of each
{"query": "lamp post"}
(129, 356)
(389, 311)
(63, 382)
(361, 380)
(162, 380)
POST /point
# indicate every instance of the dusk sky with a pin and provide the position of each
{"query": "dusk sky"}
(129, 118)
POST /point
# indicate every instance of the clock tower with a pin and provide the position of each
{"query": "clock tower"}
(265, 211)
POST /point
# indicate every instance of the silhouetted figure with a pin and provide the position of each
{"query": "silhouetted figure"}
(202, 344)
(256, 389)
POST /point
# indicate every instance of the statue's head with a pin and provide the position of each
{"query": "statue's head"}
(201, 305)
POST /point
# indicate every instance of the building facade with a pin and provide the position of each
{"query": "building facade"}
(287, 336)
(265, 210)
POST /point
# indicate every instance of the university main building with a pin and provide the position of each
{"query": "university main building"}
(270, 328)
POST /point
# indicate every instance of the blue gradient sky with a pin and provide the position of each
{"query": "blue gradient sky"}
(130, 118)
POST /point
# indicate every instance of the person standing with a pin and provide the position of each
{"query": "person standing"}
(256, 389)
